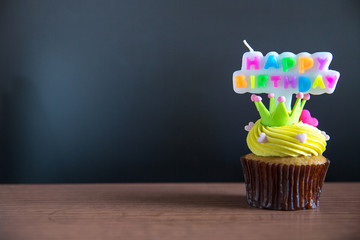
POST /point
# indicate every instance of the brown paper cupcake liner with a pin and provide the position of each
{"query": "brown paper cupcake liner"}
(281, 186)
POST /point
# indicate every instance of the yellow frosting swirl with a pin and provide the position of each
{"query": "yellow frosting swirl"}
(282, 141)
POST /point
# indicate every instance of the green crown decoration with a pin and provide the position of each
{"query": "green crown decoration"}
(278, 115)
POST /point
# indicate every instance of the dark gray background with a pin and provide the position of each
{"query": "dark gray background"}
(97, 91)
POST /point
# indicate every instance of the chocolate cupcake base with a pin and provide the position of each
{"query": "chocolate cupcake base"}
(280, 186)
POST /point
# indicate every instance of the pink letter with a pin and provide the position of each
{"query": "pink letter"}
(322, 62)
(331, 80)
(287, 81)
(275, 79)
(254, 62)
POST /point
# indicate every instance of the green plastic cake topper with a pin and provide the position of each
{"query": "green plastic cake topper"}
(278, 115)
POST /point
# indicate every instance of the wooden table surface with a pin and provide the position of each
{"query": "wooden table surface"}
(169, 211)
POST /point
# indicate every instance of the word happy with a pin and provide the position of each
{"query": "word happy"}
(285, 73)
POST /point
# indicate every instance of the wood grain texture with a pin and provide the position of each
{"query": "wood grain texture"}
(169, 211)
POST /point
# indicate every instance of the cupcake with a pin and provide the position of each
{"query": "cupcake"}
(286, 169)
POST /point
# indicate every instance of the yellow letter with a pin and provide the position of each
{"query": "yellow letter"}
(252, 77)
(318, 82)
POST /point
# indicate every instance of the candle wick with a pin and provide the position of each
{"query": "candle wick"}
(248, 46)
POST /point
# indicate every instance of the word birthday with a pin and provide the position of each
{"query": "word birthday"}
(285, 74)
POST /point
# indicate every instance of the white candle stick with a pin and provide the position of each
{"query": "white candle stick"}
(248, 46)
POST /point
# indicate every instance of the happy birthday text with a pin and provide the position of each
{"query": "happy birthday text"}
(285, 73)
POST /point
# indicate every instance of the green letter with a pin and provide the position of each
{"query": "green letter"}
(288, 62)
(262, 80)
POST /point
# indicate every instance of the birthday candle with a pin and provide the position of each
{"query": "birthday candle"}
(285, 74)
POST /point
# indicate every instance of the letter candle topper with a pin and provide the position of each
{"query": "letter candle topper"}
(285, 74)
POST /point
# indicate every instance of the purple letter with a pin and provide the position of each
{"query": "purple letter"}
(287, 81)
(322, 62)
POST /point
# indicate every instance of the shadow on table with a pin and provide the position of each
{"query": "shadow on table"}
(170, 199)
